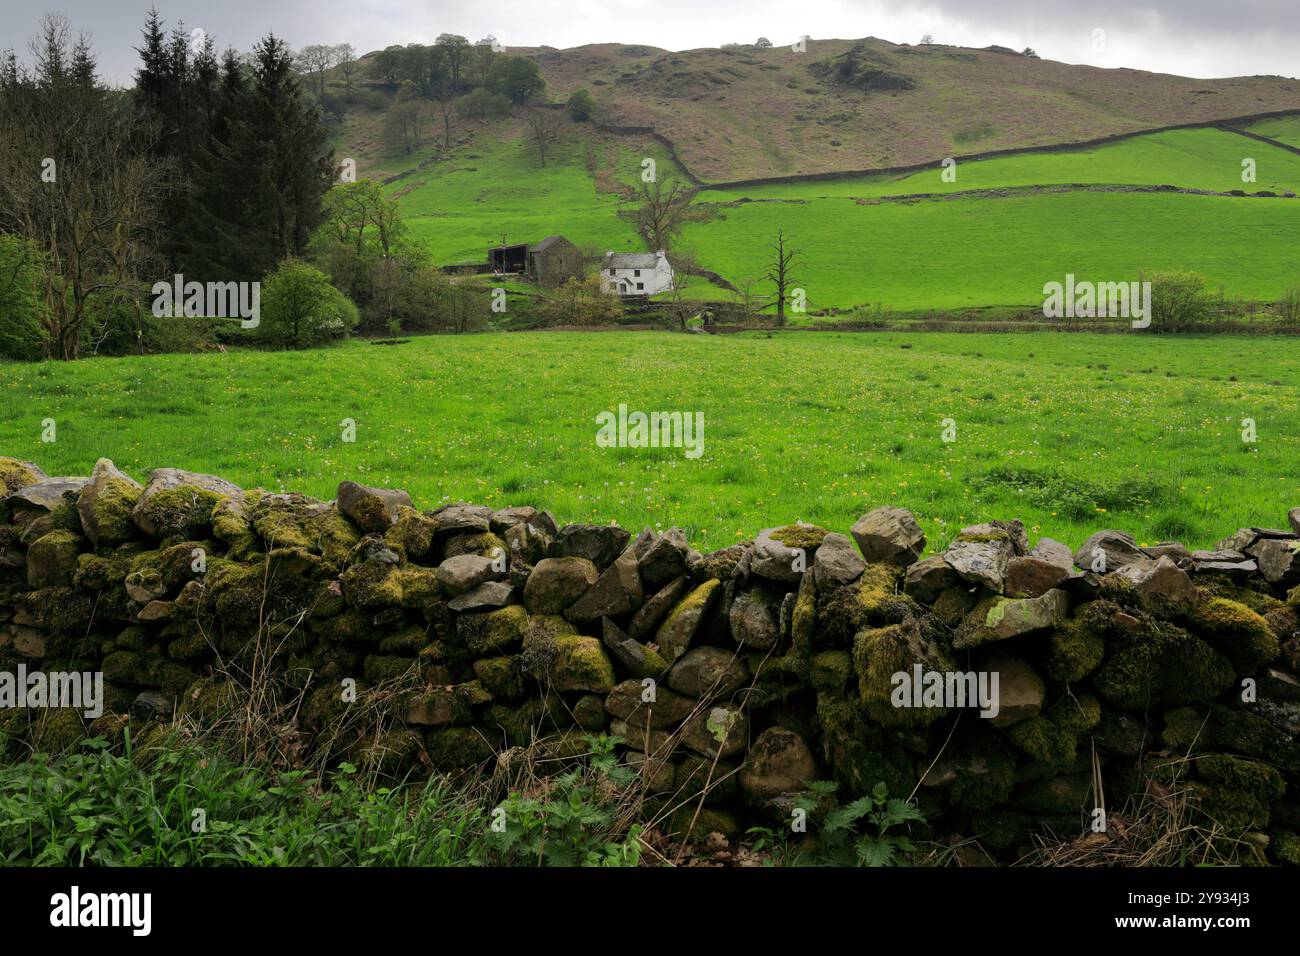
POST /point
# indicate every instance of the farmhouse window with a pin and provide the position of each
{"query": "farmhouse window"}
(640, 285)
(637, 273)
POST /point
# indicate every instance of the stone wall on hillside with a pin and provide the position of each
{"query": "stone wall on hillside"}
(995, 682)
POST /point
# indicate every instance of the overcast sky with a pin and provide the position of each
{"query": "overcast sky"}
(1205, 38)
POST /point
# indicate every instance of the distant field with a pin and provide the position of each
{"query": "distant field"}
(1068, 432)
(498, 186)
(1190, 159)
(958, 253)
(970, 252)
(1285, 130)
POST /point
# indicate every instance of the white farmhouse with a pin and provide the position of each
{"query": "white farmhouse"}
(636, 273)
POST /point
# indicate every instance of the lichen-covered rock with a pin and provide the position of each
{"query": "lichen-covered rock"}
(1108, 551)
(1149, 662)
(889, 535)
(633, 657)
(296, 521)
(643, 704)
(599, 544)
(105, 504)
(581, 664)
(493, 633)
(618, 591)
(708, 672)
(1279, 561)
(16, 474)
(1162, 587)
(1237, 632)
(720, 731)
(503, 677)
(928, 578)
(1000, 619)
(784, 554)
(52, 559)
(980, 555)
(464, 572)
(1074, 651)
(678, 629)
(723, 564)
(777, 762)
(177, 502)
(556, 584)
(371, 509)
(753, 619)
(881, 653)
(663, 558)
(837, 563)
(656, 607)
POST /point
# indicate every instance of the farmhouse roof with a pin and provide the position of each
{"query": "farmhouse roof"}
(631, 260)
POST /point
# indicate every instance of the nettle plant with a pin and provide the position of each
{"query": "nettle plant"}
(575, 821)
(870, 831)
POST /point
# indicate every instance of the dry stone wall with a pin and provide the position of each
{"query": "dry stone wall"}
(995, 682)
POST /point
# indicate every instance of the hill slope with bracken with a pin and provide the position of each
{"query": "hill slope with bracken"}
(744, 112)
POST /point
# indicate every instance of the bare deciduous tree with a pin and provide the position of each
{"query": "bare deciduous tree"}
(314, 60)
(345, 58)
(659, 209)
(74, 182)
(780, 270)
(543, 129)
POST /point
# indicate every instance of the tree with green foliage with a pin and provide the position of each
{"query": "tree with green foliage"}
(517, 78)
(581, 106)
(456, 51)
(299, 307)
(21, 309)
(261, 188)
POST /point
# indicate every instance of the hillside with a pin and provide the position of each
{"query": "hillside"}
(1004, 226)
(745, 112)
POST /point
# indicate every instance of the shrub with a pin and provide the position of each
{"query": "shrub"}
(1178, 300)
(580, 106)
(481, 104)
(1288, 307)
(300, 308)
(581, 302)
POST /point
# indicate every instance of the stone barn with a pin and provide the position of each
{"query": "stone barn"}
(548, 262)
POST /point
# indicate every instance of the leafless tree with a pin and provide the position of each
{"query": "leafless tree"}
(543, 129)
(659, 209)
(345, 58)
(74, 182)
(785, 258)
(314, 60)
(444, 98)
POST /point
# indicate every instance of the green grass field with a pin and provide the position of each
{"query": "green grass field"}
(1190, 159)
(1070, 433)
(1284, 130)
(971, 252)
(940, 254)
(498, 187)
